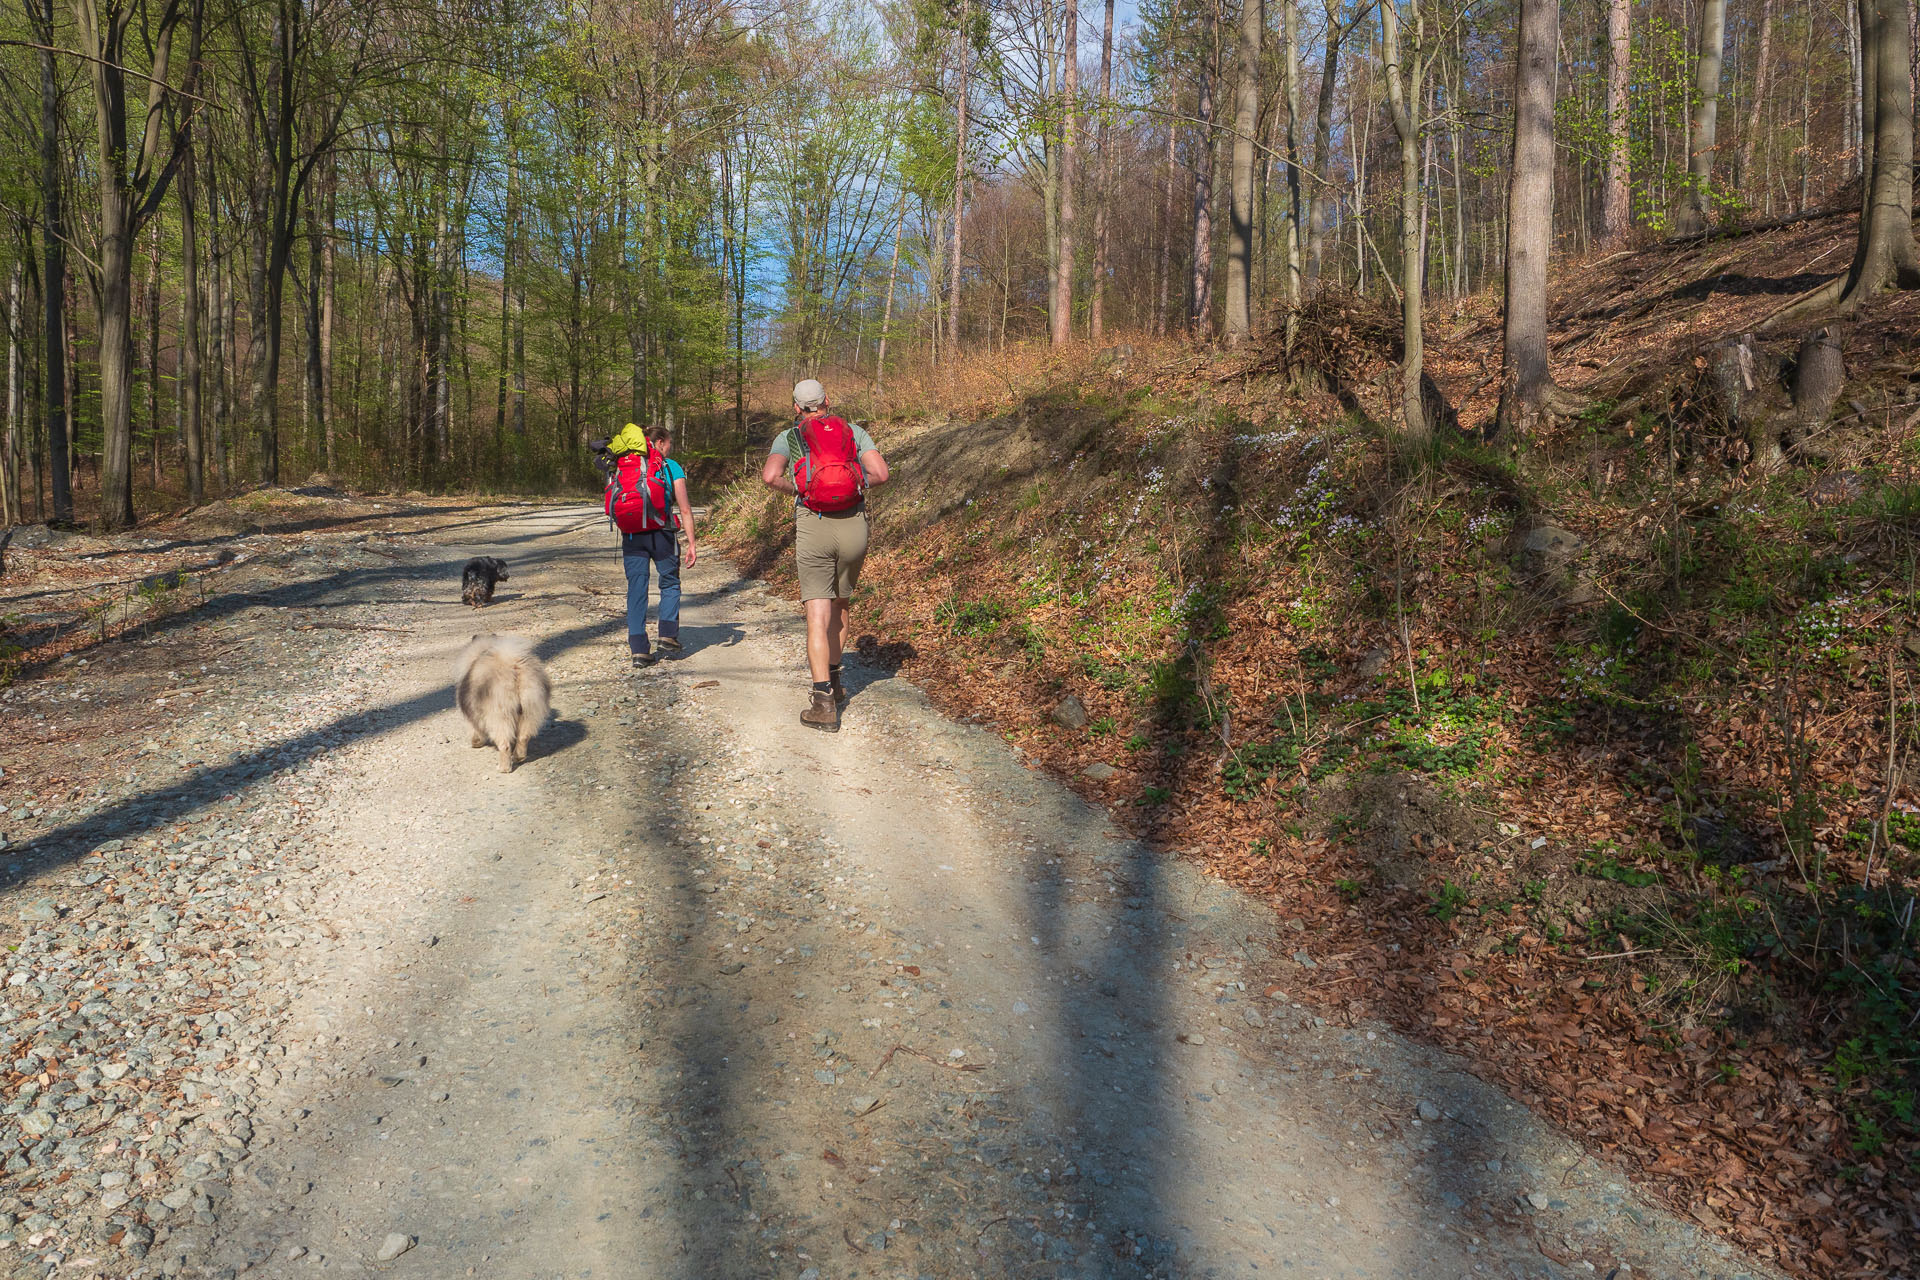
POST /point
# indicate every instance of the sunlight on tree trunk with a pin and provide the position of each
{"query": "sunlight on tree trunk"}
(1070, 89)
(1616, 217)
(1403, 96)
(1885, 255)
(1693, 207)
(1246, 118)
(1525, 386)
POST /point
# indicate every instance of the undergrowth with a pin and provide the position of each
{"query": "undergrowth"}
(1702, 695)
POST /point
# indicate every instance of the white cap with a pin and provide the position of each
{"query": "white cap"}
(809, 394)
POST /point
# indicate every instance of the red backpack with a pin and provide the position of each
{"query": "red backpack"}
(827, 473)
(639, 497)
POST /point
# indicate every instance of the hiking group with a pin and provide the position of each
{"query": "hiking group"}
(825, 462)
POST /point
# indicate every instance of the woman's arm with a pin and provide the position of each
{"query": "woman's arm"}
(686, 519)
(875, 466)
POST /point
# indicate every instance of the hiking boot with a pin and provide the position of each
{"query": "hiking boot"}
(839, 691)
(824, 714)
(670, 644)
(644, 660)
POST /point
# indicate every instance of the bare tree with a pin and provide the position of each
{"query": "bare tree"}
(1200, 297)
(1751, 140)
(1693, 204)
(959, 185)
(1526, 386)
(1616, 205)
(136, 163)
(53, 276)
(1103, 182)
(1070, 89)
(1885, 255)
(1403, 99)
(1246, 118)
(1318, 205)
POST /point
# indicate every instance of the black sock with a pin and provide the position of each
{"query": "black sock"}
(833, 672)
(823, 686)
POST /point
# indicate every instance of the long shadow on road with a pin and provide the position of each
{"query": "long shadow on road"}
(147, 810)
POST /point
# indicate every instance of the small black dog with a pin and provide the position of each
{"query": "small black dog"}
(478, 578)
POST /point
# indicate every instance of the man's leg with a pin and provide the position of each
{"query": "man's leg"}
(634, 559)
(822, 637)
(667, 547)
(837, 633)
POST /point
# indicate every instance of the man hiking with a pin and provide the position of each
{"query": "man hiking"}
(647, 500)
(828, 465)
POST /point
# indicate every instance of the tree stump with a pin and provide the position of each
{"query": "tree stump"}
(1819, 372)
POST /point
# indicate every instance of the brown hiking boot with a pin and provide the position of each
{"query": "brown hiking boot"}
(824, 714)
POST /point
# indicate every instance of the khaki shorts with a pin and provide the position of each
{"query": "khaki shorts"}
(829, 551)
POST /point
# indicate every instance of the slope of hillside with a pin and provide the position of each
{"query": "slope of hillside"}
(1594, 767)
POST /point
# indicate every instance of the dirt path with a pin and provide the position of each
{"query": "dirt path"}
(698, 992)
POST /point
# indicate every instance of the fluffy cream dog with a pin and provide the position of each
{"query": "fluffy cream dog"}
(503, 691)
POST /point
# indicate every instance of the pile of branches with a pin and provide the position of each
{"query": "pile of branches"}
(1343, 337)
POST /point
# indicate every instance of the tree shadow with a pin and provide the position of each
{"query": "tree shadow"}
(147, 810)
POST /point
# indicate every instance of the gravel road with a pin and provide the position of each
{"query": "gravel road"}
(695, 992)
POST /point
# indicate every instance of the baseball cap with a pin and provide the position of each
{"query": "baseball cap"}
(809, 394)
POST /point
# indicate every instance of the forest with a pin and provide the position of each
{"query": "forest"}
(416, 243)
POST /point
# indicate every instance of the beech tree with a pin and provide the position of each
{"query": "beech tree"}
(1693, 206)
(1525, 386)
(1246, 118)
(137, 162)
(1885, 255)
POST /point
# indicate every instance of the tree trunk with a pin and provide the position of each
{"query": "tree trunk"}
(1200, 297)
(10, 510)
(506, 281)
(1402, 100)
(1885, 255)
(193, 441)
(53, 278)
(152, 361)
(1318, 206)
(1246, 119)
(1163, 261)
(316, 405)
(1616, 205)
(1070, 90)
(1751, 141)
(1103, 188)
(329, 289)
(116, 356)
(216, 341)
(264, 295)
(1525, 385)
(1693, 207)
(1295, 205)
(1856, 88)
(886, 316)
(959, 189)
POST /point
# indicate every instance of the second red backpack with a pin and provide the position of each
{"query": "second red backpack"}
(827, 473)
(639, 499)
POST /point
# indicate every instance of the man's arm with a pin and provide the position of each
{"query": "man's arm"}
(875, 466)
(774, 474)
(686, 519)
